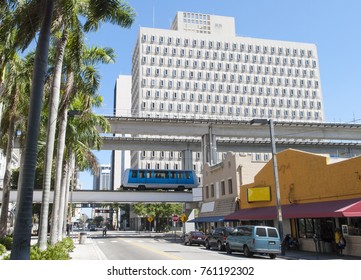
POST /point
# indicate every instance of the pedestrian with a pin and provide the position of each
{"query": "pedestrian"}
(68, 229)
(104, 231)
(340, 241)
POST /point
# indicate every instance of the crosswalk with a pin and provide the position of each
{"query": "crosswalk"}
(132, 241)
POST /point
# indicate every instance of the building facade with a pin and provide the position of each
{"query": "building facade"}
(221, 186)
(122, 103)
(103, 180)
(200, 68)
(317, 195)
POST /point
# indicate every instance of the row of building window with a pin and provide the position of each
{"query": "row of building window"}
(222, 56)
(167, 166)
(210, 191)
(234, 46)
(225, 99)
(196, 156)
(221, 86)
(169, 70)
(209, 97)
(166, 155)
(231, 110)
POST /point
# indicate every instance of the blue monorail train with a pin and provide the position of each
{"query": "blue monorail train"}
(144, 179)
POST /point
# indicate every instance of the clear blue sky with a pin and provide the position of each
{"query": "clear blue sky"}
(334, 26)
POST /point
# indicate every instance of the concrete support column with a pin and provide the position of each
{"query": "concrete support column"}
(187, 160)
(209, 148)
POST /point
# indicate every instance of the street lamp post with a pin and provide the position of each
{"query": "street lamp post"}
(275, 172)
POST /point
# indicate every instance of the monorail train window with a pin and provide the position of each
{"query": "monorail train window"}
(180, 175)
(161, 174)
(149, 174)
(188, 175)
(141, 173)
(172, 175)
(134, 174)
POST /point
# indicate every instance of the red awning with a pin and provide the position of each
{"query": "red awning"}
(353, 210)
(261, 213)
(337, 208)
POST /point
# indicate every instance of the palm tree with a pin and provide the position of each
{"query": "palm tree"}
(113, 11)
(15, 99)
(82, 136)
(22, 230)
(51, 129)
(86, 84)
(14, 35)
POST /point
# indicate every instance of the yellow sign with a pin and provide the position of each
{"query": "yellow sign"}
(259, 194)
(184, 218)
(150, 219)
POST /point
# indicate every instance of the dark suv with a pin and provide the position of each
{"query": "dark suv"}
(217, 238)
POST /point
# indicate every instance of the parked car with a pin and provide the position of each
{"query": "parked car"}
(194, 237)
(92, 227)
(254, 240)
(217, 238)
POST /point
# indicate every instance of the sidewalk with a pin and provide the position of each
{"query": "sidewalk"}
(90, 251)
(305, 255)
(87, 251)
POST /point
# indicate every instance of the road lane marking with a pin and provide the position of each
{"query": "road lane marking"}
(154, 250)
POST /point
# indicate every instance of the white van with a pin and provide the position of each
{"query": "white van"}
(254, 240)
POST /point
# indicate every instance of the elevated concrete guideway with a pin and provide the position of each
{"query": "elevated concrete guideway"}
(244, 146)
(233, 128)
(88, 196)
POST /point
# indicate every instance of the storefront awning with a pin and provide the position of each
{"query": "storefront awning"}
(261, 213)
(353, 210)
(338, 208)
(207, 219)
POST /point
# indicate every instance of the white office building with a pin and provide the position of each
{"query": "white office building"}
(200, 68)
(102, 181)
(122, 103)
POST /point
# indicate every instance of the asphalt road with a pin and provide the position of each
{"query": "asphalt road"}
(138, 246)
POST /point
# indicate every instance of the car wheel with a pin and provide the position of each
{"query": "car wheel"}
(272, 256)
(220, 246)
(228, 249)
(207, 245)
(247, 252)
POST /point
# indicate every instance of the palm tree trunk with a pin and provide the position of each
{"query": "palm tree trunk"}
(70, 171)
(22, 231)
(19, 180)
(7, 177)
(63, 121)
(63, 198)
(50, 141)
(72, 186)
(58, 175)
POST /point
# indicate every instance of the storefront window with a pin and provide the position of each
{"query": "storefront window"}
(306, 228)
(353, 225)
(325, 227)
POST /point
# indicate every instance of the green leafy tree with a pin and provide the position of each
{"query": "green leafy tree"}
(98, 220)
(158, 210)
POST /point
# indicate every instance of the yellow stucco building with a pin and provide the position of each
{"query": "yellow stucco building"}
(317, 194)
